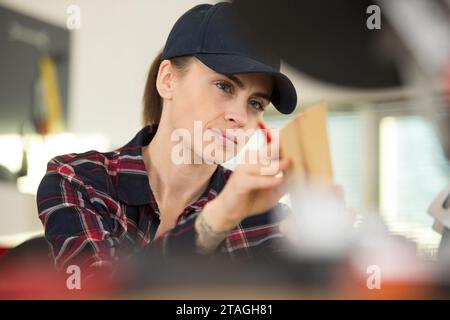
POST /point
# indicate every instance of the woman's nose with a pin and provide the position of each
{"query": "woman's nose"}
(237, 115)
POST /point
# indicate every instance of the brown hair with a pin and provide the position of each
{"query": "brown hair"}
(152, 101)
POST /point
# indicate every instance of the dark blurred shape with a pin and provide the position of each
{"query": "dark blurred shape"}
(27, 272)
(330, 41)
(444, 245)
(26, 254)
(152, 271)
(6, 175)
(327, 40)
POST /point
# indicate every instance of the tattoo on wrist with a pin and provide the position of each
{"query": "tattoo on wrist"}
(207, 238)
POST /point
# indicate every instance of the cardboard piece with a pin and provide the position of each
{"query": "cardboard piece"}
(305, 140)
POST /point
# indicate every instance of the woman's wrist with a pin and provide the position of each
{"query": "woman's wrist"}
(217, 217)
(212, 226)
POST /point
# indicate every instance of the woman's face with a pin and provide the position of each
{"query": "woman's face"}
(218, 111)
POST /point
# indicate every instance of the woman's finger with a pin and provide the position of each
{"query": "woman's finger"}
(285, 164)
(260, 182)
(272, 168)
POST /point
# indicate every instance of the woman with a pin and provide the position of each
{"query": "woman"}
(97, 207)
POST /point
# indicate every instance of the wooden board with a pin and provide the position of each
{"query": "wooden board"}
(305, 140)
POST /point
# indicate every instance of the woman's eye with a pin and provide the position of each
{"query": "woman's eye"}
(258, 106)
(224, 86)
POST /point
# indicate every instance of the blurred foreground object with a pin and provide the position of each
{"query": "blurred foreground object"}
(332, 42)
(440, 210)
(322, 227)
(327, 40)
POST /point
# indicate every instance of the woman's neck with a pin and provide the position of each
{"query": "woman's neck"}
(168, 180)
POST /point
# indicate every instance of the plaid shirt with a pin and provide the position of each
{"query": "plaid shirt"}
(96, 207)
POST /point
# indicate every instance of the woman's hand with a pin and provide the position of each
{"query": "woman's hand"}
(250, 190)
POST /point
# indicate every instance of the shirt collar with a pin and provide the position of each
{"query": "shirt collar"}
(132, 181)
(133, 186)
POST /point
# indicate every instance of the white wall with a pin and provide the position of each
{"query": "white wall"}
(21, 216)
(112, 52)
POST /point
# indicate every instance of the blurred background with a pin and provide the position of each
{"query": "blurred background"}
(72, 76)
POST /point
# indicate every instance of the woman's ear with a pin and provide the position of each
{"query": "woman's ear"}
(164, 80)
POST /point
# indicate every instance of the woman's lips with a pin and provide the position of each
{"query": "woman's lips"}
(224, 135)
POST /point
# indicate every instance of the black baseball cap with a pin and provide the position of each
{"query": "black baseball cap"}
(207, 32)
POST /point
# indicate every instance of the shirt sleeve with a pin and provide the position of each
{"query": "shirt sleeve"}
(77, 225)
(270, 243)
(257, 237)
(181, 240)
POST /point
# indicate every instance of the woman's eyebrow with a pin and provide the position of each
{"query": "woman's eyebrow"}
(241, 85)
(262, 95)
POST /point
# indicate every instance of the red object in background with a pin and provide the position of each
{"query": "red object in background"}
(446, 79)
(3, 251)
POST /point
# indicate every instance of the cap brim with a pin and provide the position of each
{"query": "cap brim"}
(284, 95)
